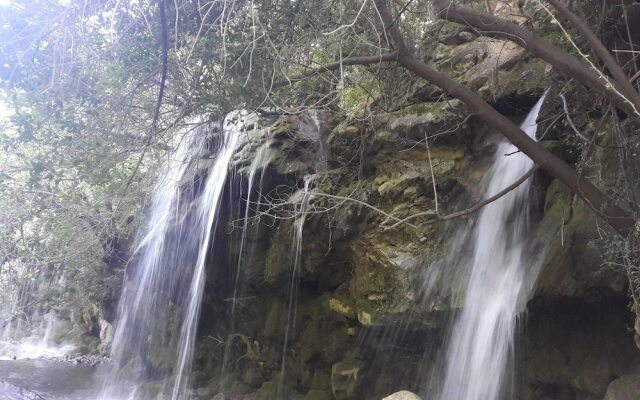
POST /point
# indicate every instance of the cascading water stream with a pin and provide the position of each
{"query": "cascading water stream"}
(208, 210)
(26, 330)
(480, 345)
(160, 304)
(301, 211)
(258, 162)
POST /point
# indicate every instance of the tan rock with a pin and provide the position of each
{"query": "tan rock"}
(626, 387)
(403, 395)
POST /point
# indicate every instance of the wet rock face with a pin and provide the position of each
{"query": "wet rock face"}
(573, 264)
(361, 311)
(356, 270)
(580, 347)
(13, 392)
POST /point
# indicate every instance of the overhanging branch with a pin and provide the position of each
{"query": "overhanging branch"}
(615, 216)
(493, 26)
(603, 53)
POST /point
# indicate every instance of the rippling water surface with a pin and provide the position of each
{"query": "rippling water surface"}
(39, 379)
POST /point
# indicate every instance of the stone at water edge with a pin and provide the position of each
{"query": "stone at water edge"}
(627, 387)
(403, 395)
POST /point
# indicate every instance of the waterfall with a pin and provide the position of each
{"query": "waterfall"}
(480, 345)
(26, 328)
(160, 304)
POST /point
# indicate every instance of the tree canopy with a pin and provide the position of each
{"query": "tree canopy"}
(97, 94)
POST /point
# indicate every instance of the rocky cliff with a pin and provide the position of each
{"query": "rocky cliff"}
(359, 310)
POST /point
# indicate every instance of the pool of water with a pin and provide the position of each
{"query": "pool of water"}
(41, 379)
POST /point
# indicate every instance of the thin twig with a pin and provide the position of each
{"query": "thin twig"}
(467, 211)
(331, 196)
(566, 112)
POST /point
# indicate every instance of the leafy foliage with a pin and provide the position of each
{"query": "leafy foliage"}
(80, 79)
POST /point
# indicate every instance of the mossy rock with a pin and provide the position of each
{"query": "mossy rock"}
(320, 380)
(572, 265)
(231, 385)
(275, 320)
(345, 378)
(381, 285)
(342, 303)
(282, 128)
(279, 255)
(253, 376)
(275, 389)
(324, 334)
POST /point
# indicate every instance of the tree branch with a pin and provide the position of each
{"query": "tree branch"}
(599, 48)
(164, 36)
(469, 210)
(362, 203)
(491, 25)
(615, 216)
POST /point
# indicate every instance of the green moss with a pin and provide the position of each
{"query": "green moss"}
(324, 333)
(268, 391)
(279, 254)
(556, 200)
(320, 380)
(282, 127)
(230, 385)
(317, 395)
(554, 146)
(275, 320)
(252, 376)
(275, 389)
(604, 165)
(433, 108)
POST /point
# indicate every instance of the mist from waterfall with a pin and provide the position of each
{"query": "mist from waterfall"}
(26, 328)
(481, 342)
(160, 304)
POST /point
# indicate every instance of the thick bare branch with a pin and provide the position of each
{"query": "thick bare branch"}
(600, 49)
(491, 25)
(618, 218)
